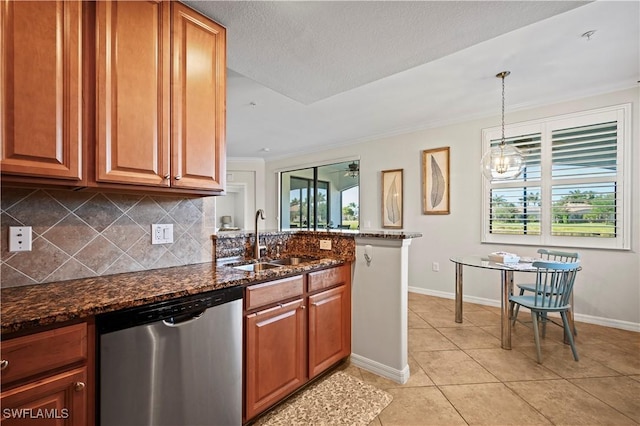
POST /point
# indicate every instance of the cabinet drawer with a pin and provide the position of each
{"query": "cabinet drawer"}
(328, 278)
(29, 355)
(273, 291)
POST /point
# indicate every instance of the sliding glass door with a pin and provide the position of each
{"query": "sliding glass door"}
(322, 197)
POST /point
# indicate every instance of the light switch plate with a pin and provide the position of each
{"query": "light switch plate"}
(325, 244)
(19, 238)
(162, 233)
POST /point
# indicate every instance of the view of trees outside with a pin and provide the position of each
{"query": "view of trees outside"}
(350, 208)
(575, 212)
(350, 214)
(301, 206)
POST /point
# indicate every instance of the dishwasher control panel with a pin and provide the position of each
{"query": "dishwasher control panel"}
(181, 306)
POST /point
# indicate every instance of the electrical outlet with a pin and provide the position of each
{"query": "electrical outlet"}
(325, 244)
(162, 233)
(19, 238)
(435, 267)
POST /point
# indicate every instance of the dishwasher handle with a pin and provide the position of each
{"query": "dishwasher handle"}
(183, 319)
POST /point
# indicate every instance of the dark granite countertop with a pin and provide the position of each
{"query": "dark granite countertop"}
(28, 307)
(384, 234)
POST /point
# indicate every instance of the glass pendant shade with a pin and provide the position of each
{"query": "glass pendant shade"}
(502, 162)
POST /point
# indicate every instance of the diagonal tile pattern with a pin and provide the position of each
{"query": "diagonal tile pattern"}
(459, 377)
(84, 234)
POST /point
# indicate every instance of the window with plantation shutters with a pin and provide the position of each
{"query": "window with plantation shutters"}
(584, 172)
(574, 189)
(514, 205)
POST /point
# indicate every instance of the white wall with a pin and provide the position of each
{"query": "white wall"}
(608, 289)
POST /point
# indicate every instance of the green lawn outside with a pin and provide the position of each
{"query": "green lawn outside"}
(568, 229)
(353, 224)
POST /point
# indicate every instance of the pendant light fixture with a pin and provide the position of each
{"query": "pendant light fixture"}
(502, 161)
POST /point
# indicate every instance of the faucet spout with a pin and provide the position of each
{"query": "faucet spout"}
(256, 248)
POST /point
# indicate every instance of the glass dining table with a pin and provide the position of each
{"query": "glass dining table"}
(506, 274)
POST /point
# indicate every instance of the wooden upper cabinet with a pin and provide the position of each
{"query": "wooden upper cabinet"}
(41, 89)
(132, 92)
(112, 94)
(198, 113)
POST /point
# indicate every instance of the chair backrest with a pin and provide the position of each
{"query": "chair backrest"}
(558, 256)
(554, 283)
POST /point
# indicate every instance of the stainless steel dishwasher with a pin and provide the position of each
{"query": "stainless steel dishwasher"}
(177, 362)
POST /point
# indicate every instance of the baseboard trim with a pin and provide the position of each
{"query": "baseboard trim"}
(589, 319)
(398, 376)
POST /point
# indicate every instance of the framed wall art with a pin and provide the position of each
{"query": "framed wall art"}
(392, 198)
(435, 181)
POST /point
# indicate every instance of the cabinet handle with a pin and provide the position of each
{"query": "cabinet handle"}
(303, 307)
(178, 177)
(78, 386)
(4, 364)
(167, 176)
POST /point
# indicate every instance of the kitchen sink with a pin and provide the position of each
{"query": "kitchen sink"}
(257, 267)
(292, 260)
(275, 263)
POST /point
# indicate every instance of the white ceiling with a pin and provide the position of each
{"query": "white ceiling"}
(307, 75)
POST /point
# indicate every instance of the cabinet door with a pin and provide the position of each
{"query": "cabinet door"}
(41, 88)
(132, 93)
(275, 355)
(329, 328)
(56, 400)
(198, 84)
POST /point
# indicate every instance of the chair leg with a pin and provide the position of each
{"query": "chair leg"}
(575, 329)
(534, 317)
(567, 331)
(544, 324)
(572, 322)
(514, 317)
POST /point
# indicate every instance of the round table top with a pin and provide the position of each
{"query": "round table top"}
(484, 262)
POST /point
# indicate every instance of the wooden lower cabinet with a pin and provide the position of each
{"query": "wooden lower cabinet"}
(48, 376)
(329, 328)
(295, 329)
(57, 400)
(275, 355)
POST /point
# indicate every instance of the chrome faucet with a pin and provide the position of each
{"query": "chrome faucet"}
(256, 248)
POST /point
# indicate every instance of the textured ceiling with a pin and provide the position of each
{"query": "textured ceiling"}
(311, 50)
(305, 75)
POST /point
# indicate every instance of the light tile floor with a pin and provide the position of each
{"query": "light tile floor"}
(460, 375)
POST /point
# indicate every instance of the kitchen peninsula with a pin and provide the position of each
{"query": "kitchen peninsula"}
(29, 310)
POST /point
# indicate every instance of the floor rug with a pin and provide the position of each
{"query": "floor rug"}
(340, 399)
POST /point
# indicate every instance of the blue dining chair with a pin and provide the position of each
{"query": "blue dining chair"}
(550, 255)
(552, 293)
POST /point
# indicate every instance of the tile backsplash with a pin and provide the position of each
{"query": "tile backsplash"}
(86, 234)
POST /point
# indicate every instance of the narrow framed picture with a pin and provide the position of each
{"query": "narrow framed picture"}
(392, 198)
(435, 181)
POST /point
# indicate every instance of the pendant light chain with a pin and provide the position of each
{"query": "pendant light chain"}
(503, 76)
